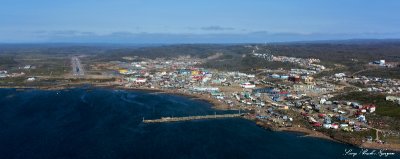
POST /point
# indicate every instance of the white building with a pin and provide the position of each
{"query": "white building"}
(247, 85)
(30, 79)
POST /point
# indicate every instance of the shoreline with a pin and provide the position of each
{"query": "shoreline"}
(216, 104)
(308, 133)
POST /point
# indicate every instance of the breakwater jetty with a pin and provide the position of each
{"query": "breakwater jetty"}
(187, 118)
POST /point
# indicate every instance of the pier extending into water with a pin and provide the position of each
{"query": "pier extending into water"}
(187, 118)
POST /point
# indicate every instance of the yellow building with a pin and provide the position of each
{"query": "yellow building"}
(123, 71)
(309, 80)
(195, 73)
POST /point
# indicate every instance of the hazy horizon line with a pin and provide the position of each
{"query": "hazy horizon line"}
(347, 40)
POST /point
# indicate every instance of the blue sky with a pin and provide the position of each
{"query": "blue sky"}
(196, 20)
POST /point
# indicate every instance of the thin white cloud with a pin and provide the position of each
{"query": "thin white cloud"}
(216, 28)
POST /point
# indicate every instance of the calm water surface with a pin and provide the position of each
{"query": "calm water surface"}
(103, 123)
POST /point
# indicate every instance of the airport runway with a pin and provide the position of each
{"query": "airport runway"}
(77, 68)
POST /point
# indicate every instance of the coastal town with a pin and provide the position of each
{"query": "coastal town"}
(200, 79)
(275, 99)
(294, 99)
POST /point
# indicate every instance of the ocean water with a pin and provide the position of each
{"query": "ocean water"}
(104, 123)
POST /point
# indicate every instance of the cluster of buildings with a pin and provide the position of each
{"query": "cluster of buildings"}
(246, 91)
(310, 64)
(383, 63)
(379, 63)
(273, 115)
(384, 85)
(295, 78)
(301, 80)
(370, 84)
(341, 115)
(4, 74)
(305, 83)
(395, 99)
(294, 89)
(27, 67)
(183, 75)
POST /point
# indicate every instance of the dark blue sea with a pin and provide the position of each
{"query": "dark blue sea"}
(104, 123)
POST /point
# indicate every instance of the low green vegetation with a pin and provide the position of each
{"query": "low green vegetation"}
(349, 137)
(7, 61)
(12, 81)
(383, 72)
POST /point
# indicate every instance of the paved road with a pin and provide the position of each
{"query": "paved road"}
(363, 70)
(77, 68)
